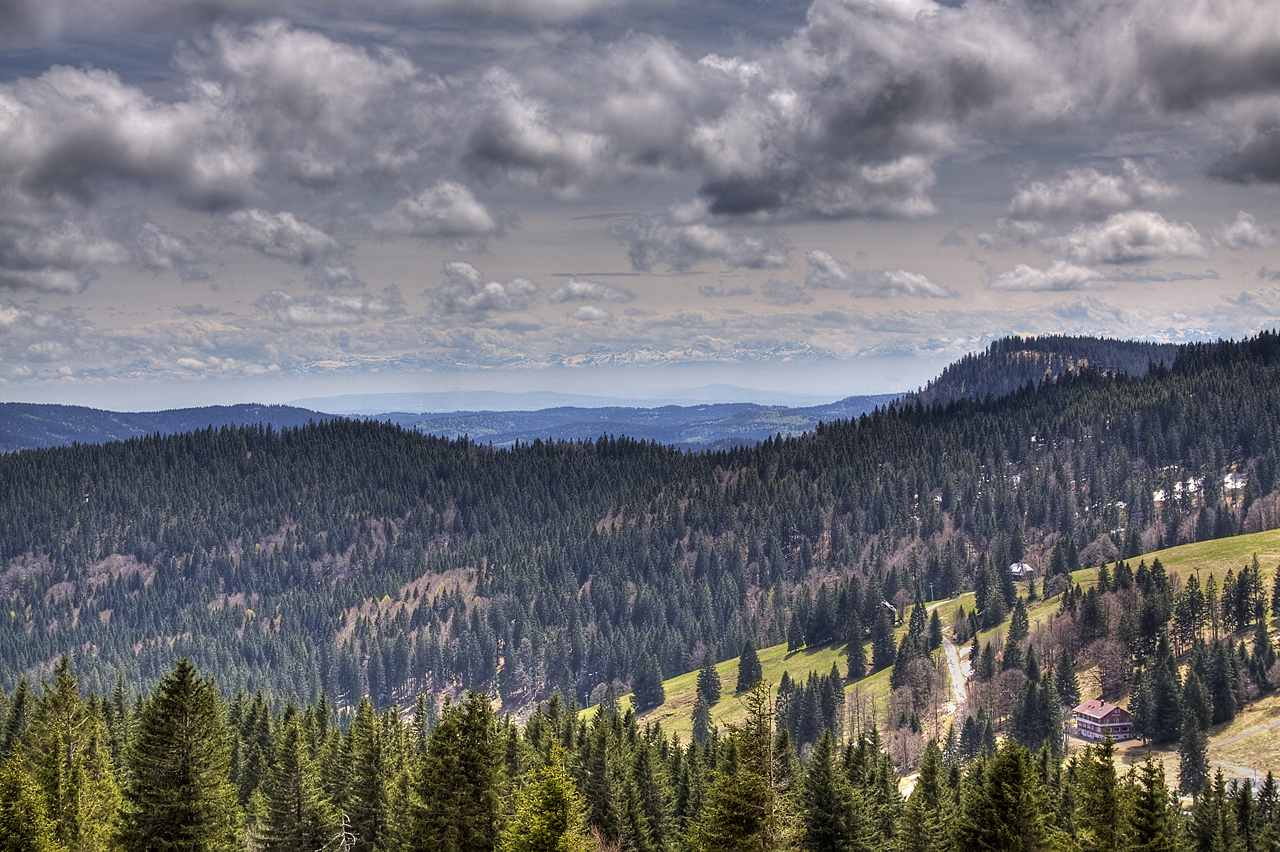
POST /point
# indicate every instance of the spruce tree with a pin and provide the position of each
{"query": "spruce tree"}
(709, 680)
(646, 687)
(550, 814)
(1193, 755)
(829, 821)
(68, 750)
(749, 671)
(299, 816)
(1006, 805)
(181, 797)
(1152, 824)
(24, 819)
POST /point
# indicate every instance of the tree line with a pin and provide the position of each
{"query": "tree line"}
(185, 769)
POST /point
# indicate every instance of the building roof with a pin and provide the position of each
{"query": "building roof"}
(1096, 708)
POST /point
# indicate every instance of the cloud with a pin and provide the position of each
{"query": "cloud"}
(827, 273)
(279, 235)
(1087, 193)
(342, 276)
(579, 290)
(652, 240)
(590, 313)
(316, 110)
(154, 248)
(58, 258)
(466, 292)
(1059, 276)
(713, 292)
(1133, 236)
(330, 309)
(1256, 159)
(1246, 233)
(23, 20)
(785, 293)
(446, 210)
(72, 132)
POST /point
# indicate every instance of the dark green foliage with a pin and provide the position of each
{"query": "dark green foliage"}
(1005, 805)
(709, 681)
(181, 798)
(455, 804)
(749, 671)
(647, 689)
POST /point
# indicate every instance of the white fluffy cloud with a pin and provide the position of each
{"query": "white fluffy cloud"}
(279, 235)
(581, 290)
(1129, 237)
(466, 292)
(1059, 276)
(591, 313)
(1087, 193)
(447, 210)
(828, 273)
(330, 309)
(1246, 233)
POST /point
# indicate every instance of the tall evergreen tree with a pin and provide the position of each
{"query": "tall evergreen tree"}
(1152, 824)
(1005, 805)
(300, 817)
(749, 670)
(830, 822)
(709, 680)
(68, 750)
(181, 797)
(368, 801)
(550, 814)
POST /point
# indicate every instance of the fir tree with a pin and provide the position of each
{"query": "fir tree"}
(181, 797)
(1005, 805)
(709, 680)
(829, 820)
(749, 671)
(1152, 824)
(701, 721)
(550, 814)
(299, 816)
(1193, 756)
(24, 820)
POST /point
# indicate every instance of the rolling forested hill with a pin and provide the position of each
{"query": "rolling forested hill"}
(363, 558)
(1010, 363)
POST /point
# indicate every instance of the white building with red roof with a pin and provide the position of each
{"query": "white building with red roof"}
(1097, 720)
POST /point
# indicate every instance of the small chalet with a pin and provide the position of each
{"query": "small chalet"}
(1021, 571)
(1097, 720)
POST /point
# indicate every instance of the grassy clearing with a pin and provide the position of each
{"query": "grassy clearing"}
(1260, 748)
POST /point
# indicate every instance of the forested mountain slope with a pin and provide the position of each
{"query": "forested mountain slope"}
(1010, 363)
(359, 557)
(25, 425)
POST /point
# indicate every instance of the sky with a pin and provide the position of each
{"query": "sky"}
(217, 201)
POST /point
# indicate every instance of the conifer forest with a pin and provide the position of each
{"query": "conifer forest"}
(348, 635)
